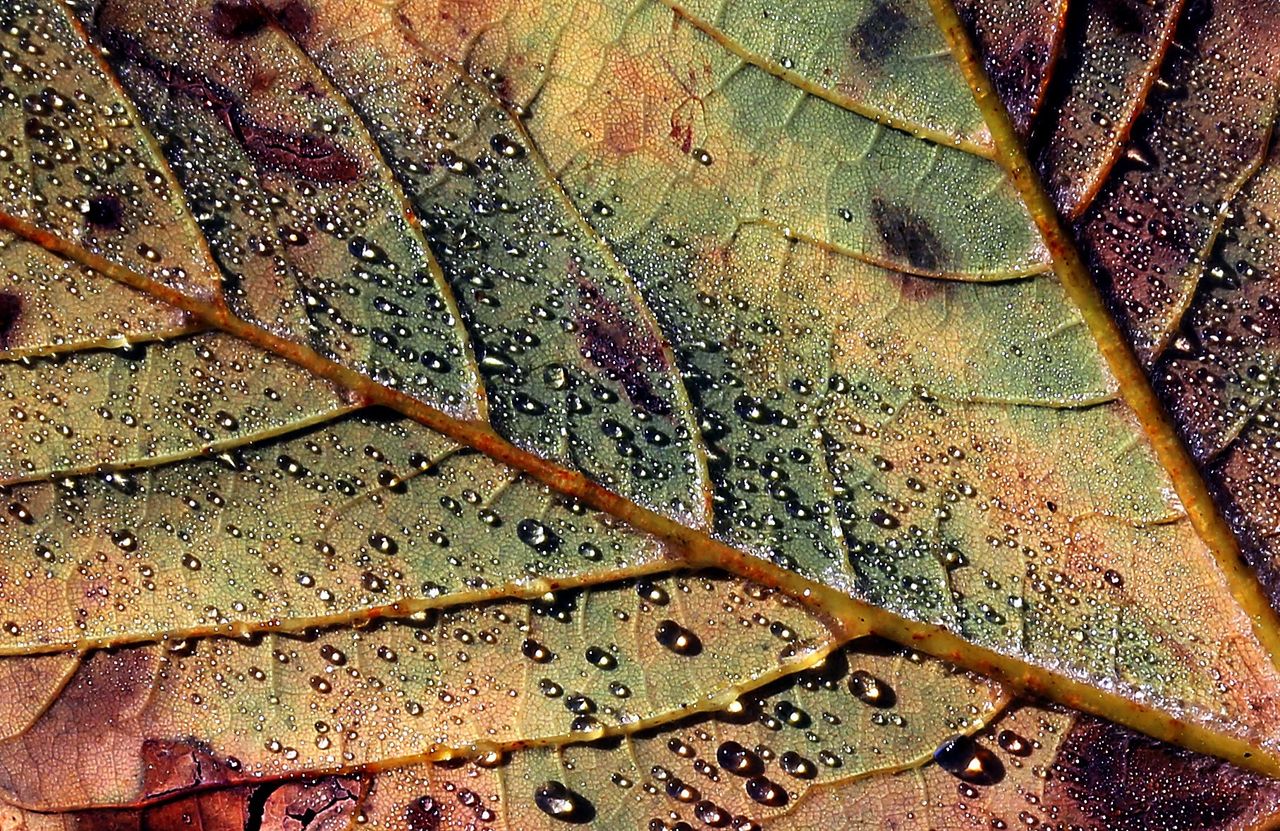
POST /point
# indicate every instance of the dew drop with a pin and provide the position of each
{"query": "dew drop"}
(797, 765)
(537, 536)
(766, 791)
(969, 761)
(560, 803)
(738, 760)
(536, 652)
(601, 658)
(871, 690)
(678, 639)
(1013, 743)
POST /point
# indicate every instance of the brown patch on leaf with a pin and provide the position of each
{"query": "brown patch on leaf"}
(422, 814)
(908, 236)
(238, 19)
(1110, 777)
(920, 289)
(621, 345)
(311, 156)
(223, 810)
(327, 804)
(10, 313)
(880, 34)
(105, 211)
(242, 19)
(1019, 44)
(179, 765)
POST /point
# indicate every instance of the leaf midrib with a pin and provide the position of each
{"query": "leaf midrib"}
(1135, 387)
(848, 616)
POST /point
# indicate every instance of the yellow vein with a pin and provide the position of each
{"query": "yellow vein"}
(845, 102)
(1209, 523)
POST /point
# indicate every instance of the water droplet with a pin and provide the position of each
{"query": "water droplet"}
(738, 760)
(678, 639)
(797, 765)
(682, 791)
(653, 593)
(791, 715)
(1012, 743)
(537, 536)
(601, 658)
(559, 802)
(969, 761)
(766, 791)
(708, 813)
(871, 690)
(506, 147)
(536, 652)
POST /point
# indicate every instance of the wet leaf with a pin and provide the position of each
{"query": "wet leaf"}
(520, 414)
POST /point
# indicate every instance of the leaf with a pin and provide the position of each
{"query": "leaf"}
(361, 359)
(498, 676)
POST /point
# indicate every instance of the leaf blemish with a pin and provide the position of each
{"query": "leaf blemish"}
(179, 765)
(880, 33)
(105, 212)
(620, 347)
(241, 19)
(1124, 780)
(10, 312)
(907, 235)
(311, 156)
(237, 19)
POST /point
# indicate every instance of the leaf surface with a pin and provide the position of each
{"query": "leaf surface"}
(618, 291)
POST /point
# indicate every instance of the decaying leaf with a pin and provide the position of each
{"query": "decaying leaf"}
(517, 413)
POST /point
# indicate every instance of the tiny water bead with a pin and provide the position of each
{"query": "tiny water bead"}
(797, 765)
(791, 715)
(601, 658)
(1013, 743)
(536, 652)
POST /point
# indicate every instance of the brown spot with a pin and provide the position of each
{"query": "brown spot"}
(881, 33)
(1125, 16)
(240, 19)
(178, 765)
(311, 156)
(320, 805)
(106, 212)
(295, 18)
(1124, 781)
(907, 235)
(422, 814)
(10, 312)
(222, 810)
(308, 156)
(621, 346)
(920, 289)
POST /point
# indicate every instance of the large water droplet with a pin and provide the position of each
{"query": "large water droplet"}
(871, 690)
(678, 639)
(969, 761)
(738, 760)
(559, 802)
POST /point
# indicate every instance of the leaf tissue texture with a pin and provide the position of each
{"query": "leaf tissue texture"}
(638, 414)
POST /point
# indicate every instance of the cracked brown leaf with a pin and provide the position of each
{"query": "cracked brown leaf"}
(503, 409)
